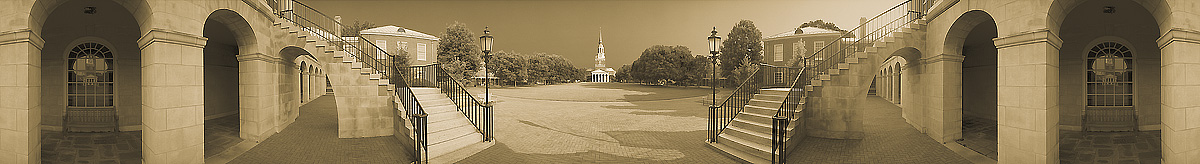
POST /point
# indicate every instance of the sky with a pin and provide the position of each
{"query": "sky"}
(571, 27)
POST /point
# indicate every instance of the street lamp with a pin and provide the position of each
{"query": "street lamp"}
(714, 48)
(485, 42)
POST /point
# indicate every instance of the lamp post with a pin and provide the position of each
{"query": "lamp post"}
(714, 48)
(485, 42)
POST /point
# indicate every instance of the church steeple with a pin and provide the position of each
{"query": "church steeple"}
(600, 52)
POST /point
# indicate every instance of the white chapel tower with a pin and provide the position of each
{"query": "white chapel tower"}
(601, 73)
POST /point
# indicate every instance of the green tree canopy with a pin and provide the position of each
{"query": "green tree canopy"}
(457, 46)
(666, 65)
(823, 25)
(743, 40)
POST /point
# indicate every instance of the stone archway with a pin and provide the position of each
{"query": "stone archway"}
(235, 79)
(292, 86)
(1139, 28)
(946, 105)
(39, 63)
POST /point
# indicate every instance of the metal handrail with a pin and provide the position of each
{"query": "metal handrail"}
(816, 65)
(732, 106)
(316, 23)
(479, 114)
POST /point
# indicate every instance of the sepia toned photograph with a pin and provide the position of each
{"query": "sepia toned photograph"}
(599, 81)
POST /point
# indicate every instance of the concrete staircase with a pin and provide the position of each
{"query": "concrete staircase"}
(833, 99)
(749, 136)
(837, 92)
(451, 136)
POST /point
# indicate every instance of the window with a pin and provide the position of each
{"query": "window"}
(798, 49)
(817, 45)
(382, 47)
(90, 82)
(1109, 75)
(779, 77)
(778, 48)
(421, 51)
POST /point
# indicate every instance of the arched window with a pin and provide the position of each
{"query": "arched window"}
(1109, 75)
(90, 84)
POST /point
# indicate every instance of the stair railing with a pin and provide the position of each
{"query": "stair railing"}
(479, 113)
(721, 115)
(827, 58)
(413, 113)
(366, 53)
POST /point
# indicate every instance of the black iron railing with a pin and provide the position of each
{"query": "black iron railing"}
(721, 115)
(479, 113)
(827, 59)
(416, 116)
(778, 76)
(373, 60)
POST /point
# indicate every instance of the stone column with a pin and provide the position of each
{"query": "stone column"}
(1180, 87)
(21, 85)
(942, 75)
(172, 97)
(257, 94)
(913, 105)
(1027, 99)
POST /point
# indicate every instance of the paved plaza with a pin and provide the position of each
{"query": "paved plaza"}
(119, 147)
(888, 140)
(600, 123)
(313, 139)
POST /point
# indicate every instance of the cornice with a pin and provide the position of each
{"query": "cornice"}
(21, 36)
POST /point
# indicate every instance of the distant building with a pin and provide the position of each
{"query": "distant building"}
(601, 73)
(421, 47)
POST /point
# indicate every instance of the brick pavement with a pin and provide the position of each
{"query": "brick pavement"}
(313, 139)
(888, 140)
(600, 123)
(111, 147)
(221, 134)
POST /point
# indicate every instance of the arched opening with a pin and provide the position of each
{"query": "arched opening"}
(229, 38)
(303, 81)
(295, 60)
(1110, 83)
(90, 78)
(971, 37)
(896, 81)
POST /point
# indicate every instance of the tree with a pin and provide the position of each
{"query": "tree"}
(458, 45)
(508, 67)
(823, 25)
(623, 75)
(743, 36)
(354, 29)
(400, 63)
(664, 65)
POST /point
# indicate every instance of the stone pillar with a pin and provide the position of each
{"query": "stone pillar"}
(173, 97)
(913, 105)
(20, 83)
(1027, 99)
(257, 94)
(1180, 87)
(942, 75)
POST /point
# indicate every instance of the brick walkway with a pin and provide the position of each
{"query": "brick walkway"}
(118, 147)
(888, 140)
(220, 134)
(313, 139)
(979, 135)
(600, 123)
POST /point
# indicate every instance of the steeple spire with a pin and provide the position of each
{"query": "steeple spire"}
(600, 51)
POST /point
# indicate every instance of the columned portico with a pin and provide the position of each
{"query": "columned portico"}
(1180, 87)
(261, 116)
(941, 76)
(20, 110)
(173, 89)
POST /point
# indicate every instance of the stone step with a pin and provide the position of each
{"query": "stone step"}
(754, 117)
(442, 136)
(755, 137)
(459, 142)
(762, 110)
(750, 125)
(746, 146)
